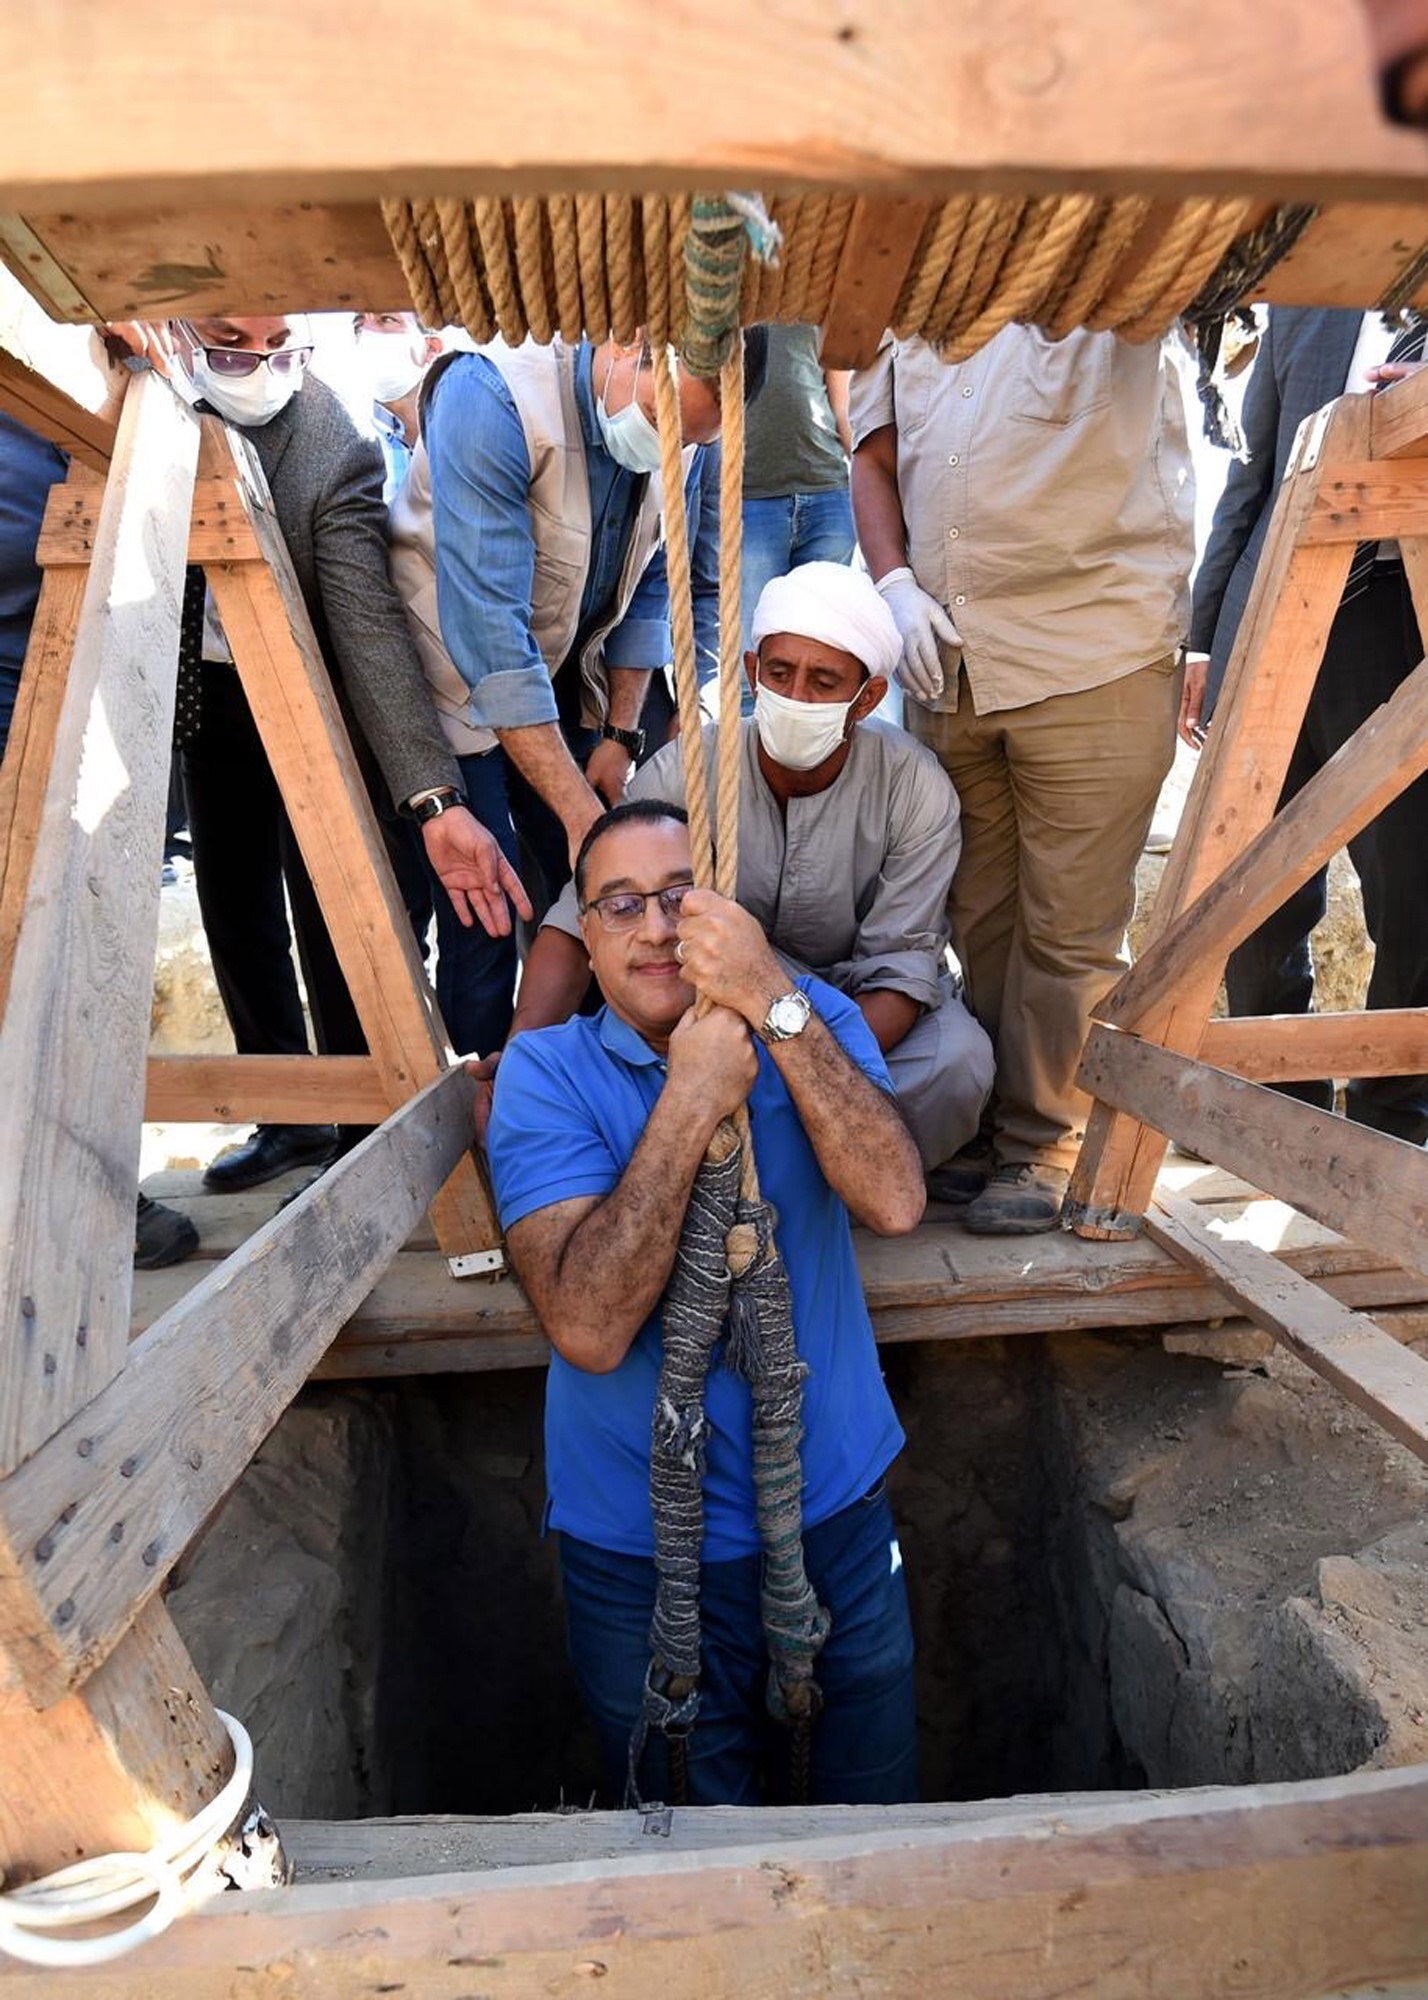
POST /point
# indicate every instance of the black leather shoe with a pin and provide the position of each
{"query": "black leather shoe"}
(161, 1236)
(272, 1150)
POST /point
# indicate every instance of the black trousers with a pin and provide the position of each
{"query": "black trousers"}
(1373, 645)
(244, 854)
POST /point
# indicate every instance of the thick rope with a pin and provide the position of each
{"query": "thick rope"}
(590, 237)
(535, 266)
(681, 615)
(1049, 228)
(596, 265)
(731, 553)
(506, 302)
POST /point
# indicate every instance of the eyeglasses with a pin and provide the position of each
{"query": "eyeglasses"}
(626, 908)
(238, 362)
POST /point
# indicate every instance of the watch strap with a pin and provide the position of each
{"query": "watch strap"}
(632, 740)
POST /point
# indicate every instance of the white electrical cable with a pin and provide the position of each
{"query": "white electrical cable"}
(89, 1891)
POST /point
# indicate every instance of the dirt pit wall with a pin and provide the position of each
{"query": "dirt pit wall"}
(1128, 1566)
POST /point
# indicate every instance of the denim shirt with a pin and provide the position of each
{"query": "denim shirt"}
(485, 548)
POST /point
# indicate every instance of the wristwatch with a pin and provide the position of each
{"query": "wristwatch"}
(423, 806)
(632, 740)
(788, 1016)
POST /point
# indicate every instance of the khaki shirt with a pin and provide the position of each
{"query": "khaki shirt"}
(850, 883)
(1049, 499)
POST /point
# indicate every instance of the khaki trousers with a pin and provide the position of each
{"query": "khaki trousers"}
(1056, 800)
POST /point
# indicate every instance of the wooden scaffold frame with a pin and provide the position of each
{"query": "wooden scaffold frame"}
(113, 1454)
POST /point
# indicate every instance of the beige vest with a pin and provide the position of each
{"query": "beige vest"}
(542, 384)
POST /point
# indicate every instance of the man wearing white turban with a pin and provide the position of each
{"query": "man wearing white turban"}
(848, 836)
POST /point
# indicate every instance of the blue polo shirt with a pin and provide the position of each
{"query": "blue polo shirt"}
(570, 1106)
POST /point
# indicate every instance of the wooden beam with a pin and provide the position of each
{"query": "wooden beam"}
(1381, 499)
(266, 1090)
(55, 379)
(1270, 1892)
(219, 530)
(29, 753)
(1362, 1361)
(907, 98)
(1273, 665)
(77, 1016)
(1366, 1185)
(1381, 759)
(113, 1768)
(293, 705)
(92, 1523)
(1287, 1048)
(1398, 426)
(878, 251)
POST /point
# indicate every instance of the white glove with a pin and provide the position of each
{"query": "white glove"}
(922, 622)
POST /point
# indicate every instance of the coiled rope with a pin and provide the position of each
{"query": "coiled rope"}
(35, 1918)
(529, 266)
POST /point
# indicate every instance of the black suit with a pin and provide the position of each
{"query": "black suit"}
(1374, 643)
(326, 483)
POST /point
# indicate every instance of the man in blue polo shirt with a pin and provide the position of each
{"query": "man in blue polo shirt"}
(597, 1132)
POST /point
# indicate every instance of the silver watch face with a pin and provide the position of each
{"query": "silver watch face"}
(786, 1017)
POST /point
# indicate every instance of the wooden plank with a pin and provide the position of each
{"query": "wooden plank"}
(77, 1015)
(1381, 759)
(387, 1850)
(1370, 502)
(1362, 1183)
(92, 1523)
(1275, 1892)
(1272, 668)
(296, 713)
(161, 262)
(1285, 1048)
(270, 1090)
(1362, 1361)
(57, 380)
(1365, 245)
(218, 527)
(113, 1768)
(25, 769)
(912, 98)
(320, 257)
(1398, 425)
(878, 251)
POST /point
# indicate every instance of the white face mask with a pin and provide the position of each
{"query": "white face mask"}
(800, 735)
(388, 367)
(250, 400)
(629, 436)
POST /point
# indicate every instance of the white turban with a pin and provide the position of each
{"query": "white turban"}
(835, 604)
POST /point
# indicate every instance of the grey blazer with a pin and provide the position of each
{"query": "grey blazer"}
(326, 481)
(1304, 355)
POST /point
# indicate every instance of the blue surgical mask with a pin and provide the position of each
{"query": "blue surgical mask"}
(629, 436)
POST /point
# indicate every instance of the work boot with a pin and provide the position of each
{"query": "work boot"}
(1019, 1200)
(962, 1178)
(161, 1236)
(270, 1150)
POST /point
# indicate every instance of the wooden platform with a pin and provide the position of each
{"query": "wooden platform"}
(939, 1284)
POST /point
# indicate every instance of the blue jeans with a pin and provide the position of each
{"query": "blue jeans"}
(780, 534)
(476, 973)
(864, 1749)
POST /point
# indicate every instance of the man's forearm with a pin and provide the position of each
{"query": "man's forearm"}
(628, 688)
(865, 1150)
(543, 759)
(877, 506)
(554, 980)
(890, 1015)
(616, 1262)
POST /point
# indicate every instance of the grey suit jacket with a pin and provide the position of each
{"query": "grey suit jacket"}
(1303, 357)
(326, 482)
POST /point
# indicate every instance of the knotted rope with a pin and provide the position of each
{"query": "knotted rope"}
(728, 1276)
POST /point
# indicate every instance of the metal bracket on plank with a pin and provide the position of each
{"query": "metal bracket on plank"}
(478, 1264)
